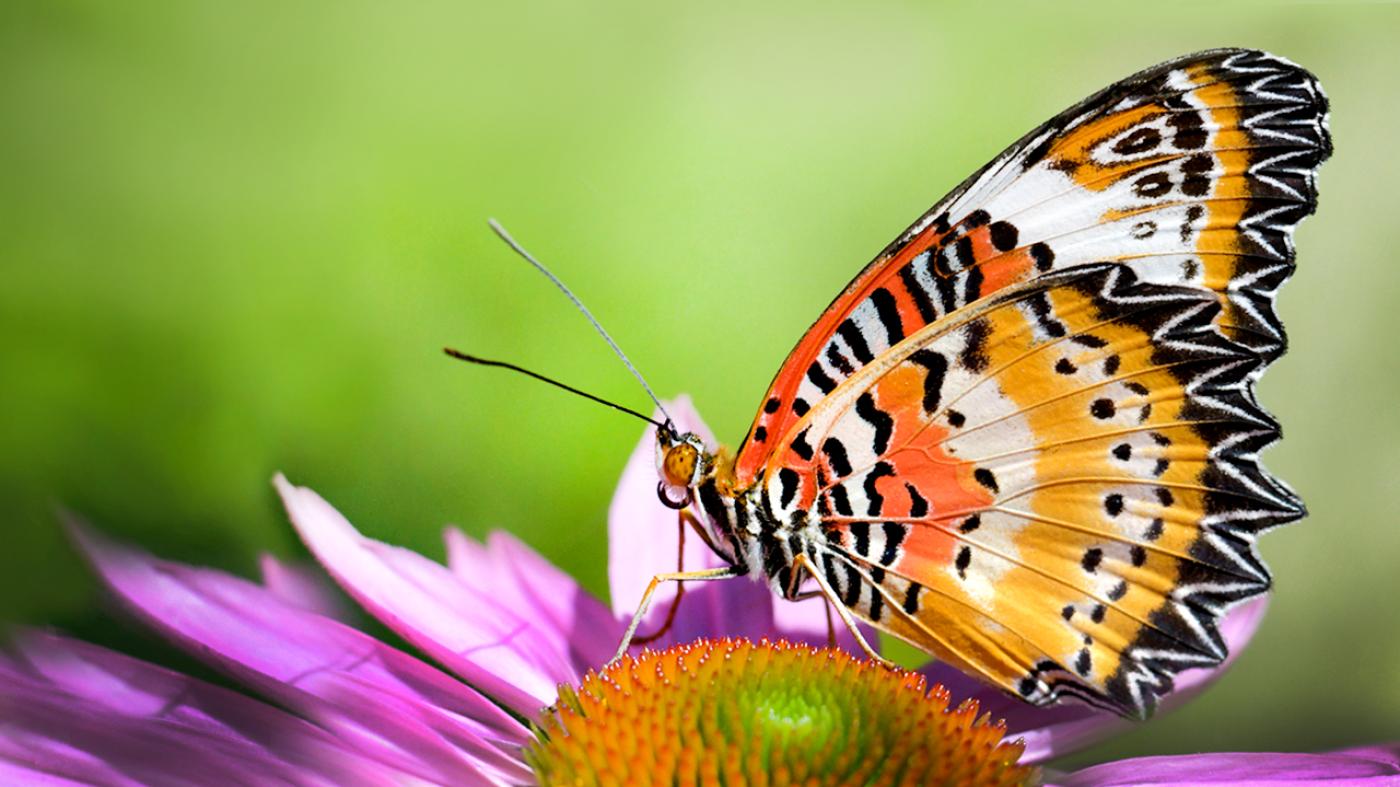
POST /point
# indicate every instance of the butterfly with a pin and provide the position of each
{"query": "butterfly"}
(1025, 437)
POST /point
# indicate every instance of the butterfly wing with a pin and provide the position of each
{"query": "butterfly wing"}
(1194, 172)
(1055, 489)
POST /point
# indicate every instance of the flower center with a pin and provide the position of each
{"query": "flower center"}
(733, 712)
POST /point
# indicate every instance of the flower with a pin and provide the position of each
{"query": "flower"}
(505, 629)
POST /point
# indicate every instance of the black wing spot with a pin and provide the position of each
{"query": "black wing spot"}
(1153, 185)
(1139, 555)
(1064, 366)
(829, 568)
(1197, 169)
(1043, 257)
(872, 492)
(838, 361)
(853, 583)
(860, 534)
(849, 331)
(788, 480)
(1111, 364)
(986, 478)
(1155, 529)
(877, 418)
(1068, 612)
(973, 356)
(820, 378)
(1102, 409)
(1044, 314)
(964, 560)
(1091, 560)
(888, 311)
(800, 446)
(935, 369)
(771, 406)
(972, 287)
(1118, 591)
(1113, 504)
(1082, 663)
(800, 407)
(922, 301)
(963, 247)
(1188, 130)
(911, 598)
(1193, 214)
(1098, 612)
(970, 524)
(894, 537)
(1004, 235)
(836, 457)
(1143, 230)
(956, 419)
(760, 433)
(918, 506)
(1164, 496)
(1139, 141)
(1123, 452)
(841, 501)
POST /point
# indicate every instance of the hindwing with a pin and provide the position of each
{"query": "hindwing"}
(1056, 488)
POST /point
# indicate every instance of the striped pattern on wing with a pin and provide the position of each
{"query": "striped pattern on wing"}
(1056, 489)
(1194, 172)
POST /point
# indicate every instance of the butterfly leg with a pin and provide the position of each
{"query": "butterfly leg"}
(724, 572)
(683, 518)
(801, 563)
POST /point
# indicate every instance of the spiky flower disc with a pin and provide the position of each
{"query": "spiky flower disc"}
(733, 712)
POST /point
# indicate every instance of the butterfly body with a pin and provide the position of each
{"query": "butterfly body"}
(1025, 438)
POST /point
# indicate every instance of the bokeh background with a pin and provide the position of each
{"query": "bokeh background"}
(234, 237)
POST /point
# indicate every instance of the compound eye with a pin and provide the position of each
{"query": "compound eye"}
(679, 464)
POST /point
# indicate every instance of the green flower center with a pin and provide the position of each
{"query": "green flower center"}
(731, 712)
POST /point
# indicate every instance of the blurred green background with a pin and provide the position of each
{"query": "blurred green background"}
(235, 235)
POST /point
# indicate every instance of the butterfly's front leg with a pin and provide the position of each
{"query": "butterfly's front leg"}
(725, 572)
(801, 564)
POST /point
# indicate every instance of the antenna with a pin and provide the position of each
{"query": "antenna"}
(461, 356)
(539, 266)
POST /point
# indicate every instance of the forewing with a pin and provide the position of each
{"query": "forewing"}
(1194, 172)
(1056, 488)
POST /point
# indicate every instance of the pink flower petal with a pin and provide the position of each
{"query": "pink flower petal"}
(1370, 766)
(1069, 726)
(73, 711)
(522, 579)
(303, 586)
(507, 652)
(387, 704)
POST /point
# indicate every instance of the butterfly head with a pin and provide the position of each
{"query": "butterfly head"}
(682, 461)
